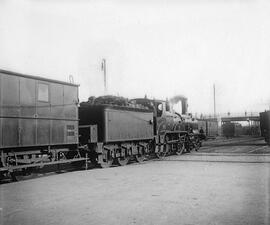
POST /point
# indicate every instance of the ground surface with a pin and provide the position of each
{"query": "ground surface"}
(225, 185)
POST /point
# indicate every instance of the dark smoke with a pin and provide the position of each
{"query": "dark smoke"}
(183, 99)
(177, 98)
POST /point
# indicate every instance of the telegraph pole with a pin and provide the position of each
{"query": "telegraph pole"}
(214, 101)
(104, 69)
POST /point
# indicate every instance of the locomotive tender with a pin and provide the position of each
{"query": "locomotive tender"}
(115, 133)
(42, 124)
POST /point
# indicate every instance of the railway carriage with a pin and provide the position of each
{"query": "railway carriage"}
(38, 122)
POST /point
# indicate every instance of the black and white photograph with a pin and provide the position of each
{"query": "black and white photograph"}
(134, 112)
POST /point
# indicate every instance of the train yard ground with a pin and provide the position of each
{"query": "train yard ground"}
(226, 182)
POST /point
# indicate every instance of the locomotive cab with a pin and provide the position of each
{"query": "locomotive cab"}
(165, 119)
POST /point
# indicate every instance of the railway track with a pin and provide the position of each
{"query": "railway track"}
(229, 158)
(241, 145)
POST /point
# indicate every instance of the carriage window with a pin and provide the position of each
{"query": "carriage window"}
(43, 92)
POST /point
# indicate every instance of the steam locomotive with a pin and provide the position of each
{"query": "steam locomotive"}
(119, 132)
(42, 124)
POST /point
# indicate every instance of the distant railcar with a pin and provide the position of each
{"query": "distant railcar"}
(265, 125)
(209, 126)
(212, 127)
(231, 129)
(38, 121)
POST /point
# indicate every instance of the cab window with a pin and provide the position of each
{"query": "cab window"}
(159, 109)
(167, 106)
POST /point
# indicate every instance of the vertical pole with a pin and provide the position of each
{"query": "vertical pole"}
(214, 101)
(105, 75)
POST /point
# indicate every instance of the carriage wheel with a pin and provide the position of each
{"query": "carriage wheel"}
(139, 158)
(107, 159)
(25, 174)
(122, 161)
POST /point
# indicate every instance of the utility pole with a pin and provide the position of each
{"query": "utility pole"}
(104, 69)
(214, 101)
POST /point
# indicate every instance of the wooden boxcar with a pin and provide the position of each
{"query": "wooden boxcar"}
(209, 126)
(231, 129)
(36, 115)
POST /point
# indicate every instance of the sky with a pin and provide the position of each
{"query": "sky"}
(156, 48)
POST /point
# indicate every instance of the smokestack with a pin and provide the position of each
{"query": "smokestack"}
(104, 69)
(183, 99)
(184, 106)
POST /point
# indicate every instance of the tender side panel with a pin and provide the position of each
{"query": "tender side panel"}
(124, 125)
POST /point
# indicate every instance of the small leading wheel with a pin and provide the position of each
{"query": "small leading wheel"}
(107, 159)
(122, 161)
